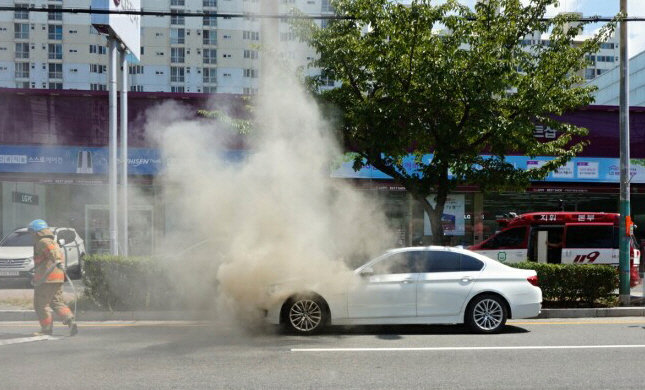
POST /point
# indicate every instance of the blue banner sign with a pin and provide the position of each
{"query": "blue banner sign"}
(61, 159)
(579, 169)
(141, 161)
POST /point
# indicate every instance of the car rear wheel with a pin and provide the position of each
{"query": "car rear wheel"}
(486, 314)
(305, 315)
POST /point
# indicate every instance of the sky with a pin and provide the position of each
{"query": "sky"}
(609, 8)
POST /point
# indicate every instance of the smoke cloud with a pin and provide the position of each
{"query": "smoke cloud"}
(275, 215)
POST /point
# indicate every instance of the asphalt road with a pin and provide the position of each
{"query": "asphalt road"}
(531, 354)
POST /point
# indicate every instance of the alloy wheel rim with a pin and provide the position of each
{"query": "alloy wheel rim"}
(305, 315)
(488, 314)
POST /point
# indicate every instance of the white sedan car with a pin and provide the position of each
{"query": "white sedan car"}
(416, 285)
(17, 253)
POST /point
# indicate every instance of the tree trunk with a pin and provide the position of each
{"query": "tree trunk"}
(434, 214)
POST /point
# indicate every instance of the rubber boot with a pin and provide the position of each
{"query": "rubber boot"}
(73, 328)
(45, 332)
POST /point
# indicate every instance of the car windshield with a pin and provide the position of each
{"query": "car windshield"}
(18, 239)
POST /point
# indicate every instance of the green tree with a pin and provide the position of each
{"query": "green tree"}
(457, 82)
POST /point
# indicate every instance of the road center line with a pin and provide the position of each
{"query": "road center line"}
(22, 340)
(528, 347)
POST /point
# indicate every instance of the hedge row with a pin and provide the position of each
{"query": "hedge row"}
(569, 285)
(140, 283)
(127, 283)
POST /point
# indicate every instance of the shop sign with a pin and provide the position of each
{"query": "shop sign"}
(21, 197)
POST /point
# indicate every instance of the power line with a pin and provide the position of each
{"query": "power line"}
(169, 13)
(143, 12)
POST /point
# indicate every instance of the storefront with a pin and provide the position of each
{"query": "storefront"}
(53, 165)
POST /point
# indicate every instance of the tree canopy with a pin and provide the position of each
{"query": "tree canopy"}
(467, 86)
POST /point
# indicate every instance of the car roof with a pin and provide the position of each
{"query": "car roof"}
(53, 228)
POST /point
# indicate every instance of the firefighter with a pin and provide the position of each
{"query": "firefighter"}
(48, 280)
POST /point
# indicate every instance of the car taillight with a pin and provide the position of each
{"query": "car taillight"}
(533, 280)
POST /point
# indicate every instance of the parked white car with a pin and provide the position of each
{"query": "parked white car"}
(17, 253)
(416, 285)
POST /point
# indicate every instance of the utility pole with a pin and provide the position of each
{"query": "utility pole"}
(112, 170)
(625, 238)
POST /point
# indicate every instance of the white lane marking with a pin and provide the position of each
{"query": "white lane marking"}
(528, 347)
(27, 340)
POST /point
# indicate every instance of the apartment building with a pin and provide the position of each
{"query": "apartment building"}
(204, 54)
(183, 54)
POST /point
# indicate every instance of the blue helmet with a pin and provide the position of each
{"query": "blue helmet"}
(37, 225)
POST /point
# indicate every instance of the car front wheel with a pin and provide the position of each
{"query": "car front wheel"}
(305, 315)
(486, 314)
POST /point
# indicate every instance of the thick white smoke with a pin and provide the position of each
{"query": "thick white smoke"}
(274, 216)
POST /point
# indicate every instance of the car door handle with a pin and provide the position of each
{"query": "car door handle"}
(466, 279)
(407, 281)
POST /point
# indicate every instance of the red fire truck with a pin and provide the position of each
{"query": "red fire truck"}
(560, 237)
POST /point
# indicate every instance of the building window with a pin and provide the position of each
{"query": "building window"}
(210, 21)
(21, 30)
(22, 50)
(55, 51)
(177, 54)
(22, 84)
(251, 54)
(325, 80)
(98, 49)
(55, 32)
(250, 91)
(210, 89)
(98, 87)
(98, 68)
(21, 14)
(177, 89)
(210, 37)
(135, 69)
(326, 7)
(590, 73)
(602, 45)
(177, 74)
(178, 2)
(210, 75)
(22, 70)
(55, 85)
(176, 20)
(54, 15)
(251, 35)
(251, 73)
(55, 71)
(605, 58)
(136, 88)
(210, 3)
(210, 56)
(287, 36)
(177, 36)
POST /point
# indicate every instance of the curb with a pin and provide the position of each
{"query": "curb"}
(593, 312)
(30, 315)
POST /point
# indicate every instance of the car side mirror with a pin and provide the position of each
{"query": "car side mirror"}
(367, 272)
(61, 241)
